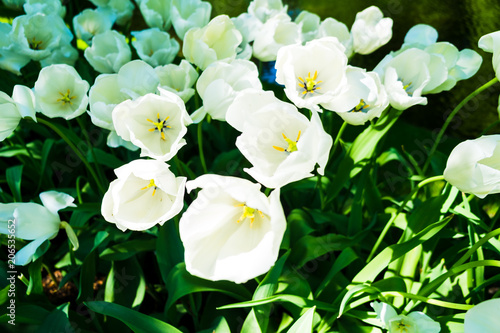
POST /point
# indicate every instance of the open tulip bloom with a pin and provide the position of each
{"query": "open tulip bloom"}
(414, 322)
(232, 231)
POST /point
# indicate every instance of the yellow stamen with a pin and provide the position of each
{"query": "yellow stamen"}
(360, 107)
(34, 44)
(151, 184)
(160, 125)
(292, 145)
(66, 98)
(309, 84)
(248, 212)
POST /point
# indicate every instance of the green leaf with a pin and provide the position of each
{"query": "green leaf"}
(301, 302)
(345, 258)
(251, 324)
(11, 151)
(87, 273)
(180, 283)
(104, 158)
(136, 321)
(14, 175)
(311, 247)
(360, 152)
(305, 323)
(125, 284)
(128, 249)
(28, 314)
(35, 272)
(393, 252)
(169, 248)
(57, 321)
(47, 146)
(220, 325)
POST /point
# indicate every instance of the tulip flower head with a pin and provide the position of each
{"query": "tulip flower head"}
(178, 79)
(154, 123)
(61, 92)
(146, 193)
(414, 322)
(483, 318)
(370, 30)
(474, 166)
(231, 231)
(22, 104)
(109, 52)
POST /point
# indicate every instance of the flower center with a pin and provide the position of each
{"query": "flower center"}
(309, 84)
(34, 44)
(401, 325)
(66, 98)
(151, 184)
(160, 125)
(248, 212)
(360, 107)
(292, 145)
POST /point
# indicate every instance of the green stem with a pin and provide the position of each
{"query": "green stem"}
(200, 147)
(76, 150)
(337, 139)
(452, 115)
(91, 148)
(393, 217)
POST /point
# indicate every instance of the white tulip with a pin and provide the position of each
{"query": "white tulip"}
(122, 9)
(91, 22)
(187, 14)
(61, 92)
(370, 30)
(330, 27)
(491, 43)
(37, 35)
(44, 6)
(34, 221)
(219, 84)
(109, 52)
(364, 100)
(282, 145)
(414, 322)
(309, 22)
(314, 73)
(406, 75)
(156, 13)
(266, 9)
(134, 79)
(483, 318)
(474, 166)
(276, 33)
(155, 47)
(218, 40)
(231, 231)
(146, 193)
(64, 54)
(22, 104)
(154, 123)
(10, 59)
(178, 79)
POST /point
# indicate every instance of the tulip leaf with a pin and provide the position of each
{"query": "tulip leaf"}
(301, 302)
(393, 252)
(27, 314)
(305, 323)
(88, 268)
(14, 175)
(169, 249)
(360, 152)
(100, 156)
(345, 258)
(11, 151)
(35, 271)
(125, 284)
(128, 249)
(251, 324)
(220, 325)
(136, 321)
(57, 321)
(180, 283)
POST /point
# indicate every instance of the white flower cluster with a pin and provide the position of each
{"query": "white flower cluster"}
(232, 230)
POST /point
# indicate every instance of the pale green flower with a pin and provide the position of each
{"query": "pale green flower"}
(61, 92)
(309, 23)
(266, 9)
(65, 54)
(22, 104)
(37, 35)
(156, 13)
(178, 79)
(123, 9)
(109, 52)
(10, 59)
(45, 6)
(330, 27)
(91, 22)
(483, 318)
(218, 40)
(231, 231)
(155, 47)
(187, 14)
